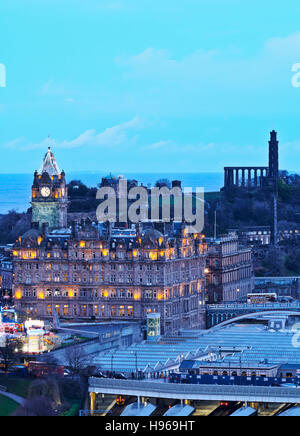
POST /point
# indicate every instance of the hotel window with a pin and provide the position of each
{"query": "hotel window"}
(66, 310)
(122, 293)
(57, 293)
(96, 310)
(130, 311)
(129, 294)
(102, 310)
(122, 311)
(49, 310)
(84, 310)
(48, 293)
(113, 311)
(57, 309)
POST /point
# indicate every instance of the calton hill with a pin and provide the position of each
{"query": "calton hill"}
(234, 208)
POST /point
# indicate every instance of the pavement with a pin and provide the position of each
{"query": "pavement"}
(14, 397)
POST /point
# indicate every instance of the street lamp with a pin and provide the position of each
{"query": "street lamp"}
(112, 363)
(136, 364)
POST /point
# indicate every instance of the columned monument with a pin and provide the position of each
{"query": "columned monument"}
(258, 177)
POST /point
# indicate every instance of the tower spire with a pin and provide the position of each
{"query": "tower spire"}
(49, 164)
(273, 156)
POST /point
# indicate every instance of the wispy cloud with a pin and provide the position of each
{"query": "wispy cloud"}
(51, 88)
(168, 145)
(118, 135)
(225, 69)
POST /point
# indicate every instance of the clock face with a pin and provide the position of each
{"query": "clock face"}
(45, 191)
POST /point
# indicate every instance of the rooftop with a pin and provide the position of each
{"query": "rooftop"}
(258, 345)
(49, 164)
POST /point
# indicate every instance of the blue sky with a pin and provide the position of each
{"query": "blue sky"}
(146, 86)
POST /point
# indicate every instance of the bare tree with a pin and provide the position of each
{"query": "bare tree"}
(38, 406)
(46, 388)
(76, 360)
(10, 352)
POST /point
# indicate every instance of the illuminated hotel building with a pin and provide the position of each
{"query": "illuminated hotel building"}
(122, 275)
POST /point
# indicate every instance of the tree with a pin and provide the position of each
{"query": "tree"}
(76, 189)
(163, 182)
(76, 360)
(45, 388)
(10, 352)
(38, 406)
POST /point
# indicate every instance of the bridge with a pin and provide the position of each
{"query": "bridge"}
(222, 314)
(196, 392)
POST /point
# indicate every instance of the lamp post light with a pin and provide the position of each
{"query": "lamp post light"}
(112, 363)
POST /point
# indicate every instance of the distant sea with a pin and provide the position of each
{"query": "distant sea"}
(15, 189)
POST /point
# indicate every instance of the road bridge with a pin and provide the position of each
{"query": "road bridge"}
(219, 314)
(198, 392)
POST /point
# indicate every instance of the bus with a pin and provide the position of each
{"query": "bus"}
(43, 369)
(262, 298)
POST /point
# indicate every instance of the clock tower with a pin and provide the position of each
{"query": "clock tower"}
(49, 194)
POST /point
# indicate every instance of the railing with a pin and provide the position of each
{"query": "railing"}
(278, 394)
(87, 412)
(246, 306)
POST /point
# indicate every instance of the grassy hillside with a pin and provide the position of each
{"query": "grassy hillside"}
(7, 406)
